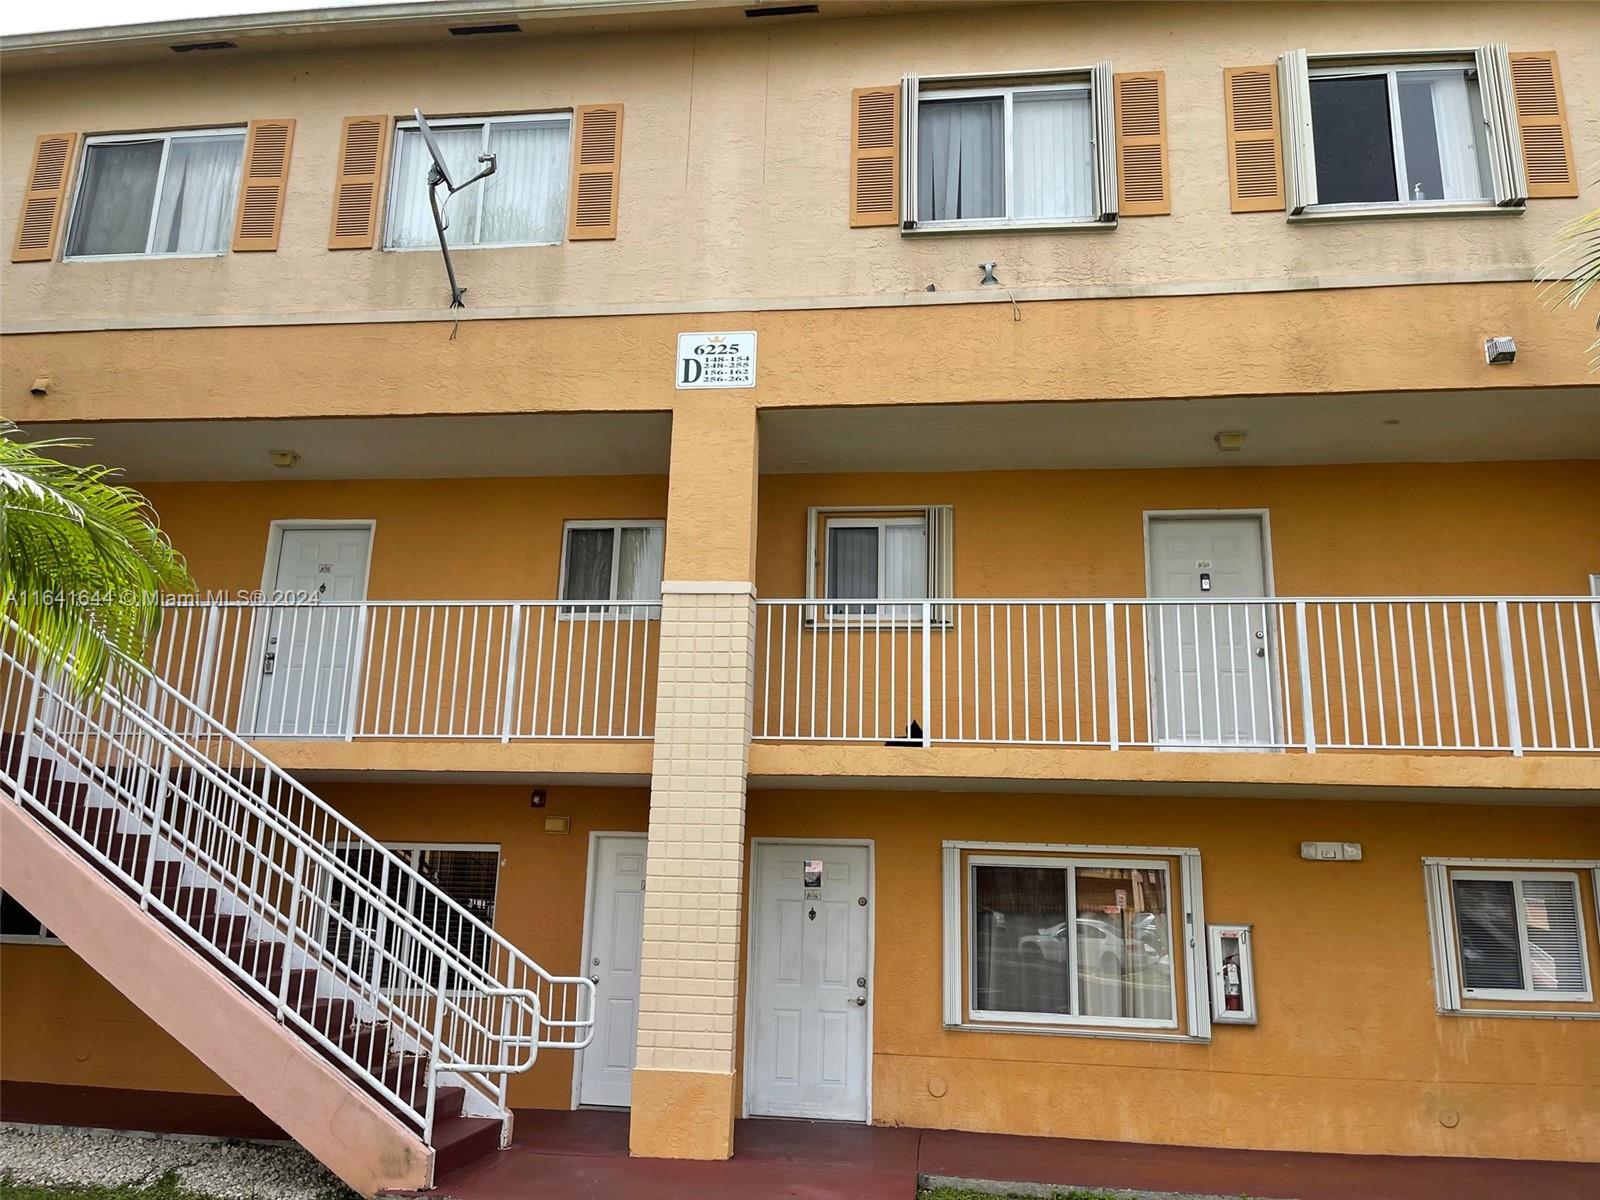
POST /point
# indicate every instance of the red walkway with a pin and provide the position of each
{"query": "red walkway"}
(584, 1156)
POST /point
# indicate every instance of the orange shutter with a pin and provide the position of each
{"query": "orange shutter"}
(44, 203)
(1143, 184)
(875, 156)
(363, 143)
(1255, 139)
(259, 219)
(596, 172)
(1542, 122)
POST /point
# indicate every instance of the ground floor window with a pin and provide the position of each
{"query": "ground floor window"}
(1512, 933)
(1072, 936)
(466, 874)
(17, 924)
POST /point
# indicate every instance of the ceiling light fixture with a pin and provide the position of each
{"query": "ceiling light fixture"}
(283, 458)
(1232, 439)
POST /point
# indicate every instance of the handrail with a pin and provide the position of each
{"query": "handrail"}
(370, 845)
(138, 758)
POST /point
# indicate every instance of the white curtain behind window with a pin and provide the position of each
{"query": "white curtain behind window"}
(410, 220)
(525, 200)
(905, 567)
(1458, 138)
(112, 215)
(960, 160)
(198, 194)
(639, 563)
(1052, 164)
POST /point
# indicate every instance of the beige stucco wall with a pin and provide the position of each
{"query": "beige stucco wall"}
(734, 176)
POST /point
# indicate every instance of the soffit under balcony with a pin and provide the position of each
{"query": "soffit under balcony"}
(442, 447)
(1479, 426)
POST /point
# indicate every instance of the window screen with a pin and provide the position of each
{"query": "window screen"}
(621, 561)
(118, 210)
(1520, 934)
(1355, 149)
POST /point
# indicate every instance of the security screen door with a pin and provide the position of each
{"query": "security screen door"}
(1211, 661)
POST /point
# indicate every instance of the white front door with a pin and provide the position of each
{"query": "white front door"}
(1211, 661)
(616, 931)
(308, 652)
(810, 970)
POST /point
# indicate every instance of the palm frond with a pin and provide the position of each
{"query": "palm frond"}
(1572, 270)
(83, 563)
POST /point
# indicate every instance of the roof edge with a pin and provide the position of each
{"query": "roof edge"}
(356, 17)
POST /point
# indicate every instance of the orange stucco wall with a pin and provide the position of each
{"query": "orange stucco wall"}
(1349, 1054)
(1395, 529)
(434, 539)
(62, 1023)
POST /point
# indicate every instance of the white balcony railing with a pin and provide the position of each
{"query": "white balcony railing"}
(1486, 674)
(411, 669)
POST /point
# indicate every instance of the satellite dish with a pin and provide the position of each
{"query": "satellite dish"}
(439, 173)
(441, 169)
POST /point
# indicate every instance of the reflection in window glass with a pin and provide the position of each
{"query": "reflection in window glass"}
(1111, 958)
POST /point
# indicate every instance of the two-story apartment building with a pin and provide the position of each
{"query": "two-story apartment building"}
(967, 565)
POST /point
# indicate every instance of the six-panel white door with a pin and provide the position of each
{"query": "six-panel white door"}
(616, 932)
(307, 653)
(1211, 663)
(810, 968)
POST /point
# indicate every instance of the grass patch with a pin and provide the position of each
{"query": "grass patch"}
(166, 1188)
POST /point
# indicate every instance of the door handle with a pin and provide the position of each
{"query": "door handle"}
(860, 1001)
(267, 661)
(595, 979)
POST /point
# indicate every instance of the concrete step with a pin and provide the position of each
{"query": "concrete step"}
(461, 1140)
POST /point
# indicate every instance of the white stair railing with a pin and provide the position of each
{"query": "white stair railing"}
(365, 957)
(1487, 674)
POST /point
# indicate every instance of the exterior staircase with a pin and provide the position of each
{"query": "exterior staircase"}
(369, 1015)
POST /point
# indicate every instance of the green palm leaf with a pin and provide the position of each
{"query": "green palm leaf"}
(83, 562)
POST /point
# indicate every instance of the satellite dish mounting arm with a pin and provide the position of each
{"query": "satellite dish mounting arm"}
(439, 174)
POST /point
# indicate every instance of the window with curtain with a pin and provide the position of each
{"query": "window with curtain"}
(524, 203)
(1006, 155)
(1085, 941)
(867, 559)
(1520, 935)
(613, 560)
(467, 875)
(1399, 135)
(157, 194)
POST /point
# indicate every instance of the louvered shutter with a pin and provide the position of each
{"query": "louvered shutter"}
(44, 203)
(363, 144)
(1255, 139)
(1142, 144)
(265, 179)
(596, 172)
(874, 156)
(1542, 124)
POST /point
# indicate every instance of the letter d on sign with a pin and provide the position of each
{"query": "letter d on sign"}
(693, 368)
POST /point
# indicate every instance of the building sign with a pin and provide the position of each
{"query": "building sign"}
(716, 360)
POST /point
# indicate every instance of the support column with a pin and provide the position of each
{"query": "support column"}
(684, 1093)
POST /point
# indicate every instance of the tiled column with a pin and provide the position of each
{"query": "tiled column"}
(684, 1098)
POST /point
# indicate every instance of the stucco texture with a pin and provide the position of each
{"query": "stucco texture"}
(736, 153)
(1349, 1054)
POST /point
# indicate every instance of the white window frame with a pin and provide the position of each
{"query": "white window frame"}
(1451, 994)
(408, 852)
(43, 938)
(562, 117)
(166, 139)
(1391, 74)
(938, 522)
(1508, 184)
(1185, 898)
(576, 612)
(1095, 81)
